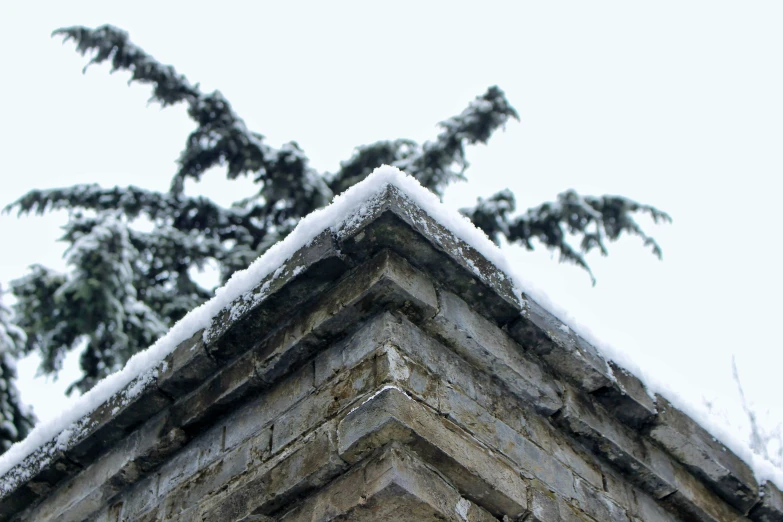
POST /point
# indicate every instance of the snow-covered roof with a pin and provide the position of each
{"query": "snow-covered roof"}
(242, 292)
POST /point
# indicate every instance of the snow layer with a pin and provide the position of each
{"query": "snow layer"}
(346, 209)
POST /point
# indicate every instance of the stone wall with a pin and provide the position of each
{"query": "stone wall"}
(390, 376)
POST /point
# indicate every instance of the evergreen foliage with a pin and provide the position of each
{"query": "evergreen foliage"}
(16, 420)
(125, 287)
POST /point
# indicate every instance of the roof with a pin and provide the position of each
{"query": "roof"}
(387, 210)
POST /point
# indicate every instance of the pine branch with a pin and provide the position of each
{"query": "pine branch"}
(595, 219)
(112, 44)
(183, 213)
(435, 163)
(17, 420)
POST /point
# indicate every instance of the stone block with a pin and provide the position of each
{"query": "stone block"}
(547, 506)
(770, 505)
(644, 464)
(692, 500)
(262, 411)
(531, 460)
(704, 456)
(394, 485)
(391, 416)
(111, 421)
(398, 224)
(566, 352)
(595, 503)
(37, 475)
(483, 344)
(123, 465)
(324, 404)
(253, 315)
(186, 368)
(384, 282)
(140, 498)
(217, 395)
(627, 398)
(311, 464)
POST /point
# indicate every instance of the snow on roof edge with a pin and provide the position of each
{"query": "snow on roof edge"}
(346, 207)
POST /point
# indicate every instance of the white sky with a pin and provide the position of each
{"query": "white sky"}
(676, 104)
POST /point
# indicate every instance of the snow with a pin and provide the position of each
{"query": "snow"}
(346, 211)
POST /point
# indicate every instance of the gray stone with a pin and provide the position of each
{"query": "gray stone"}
(531, 459)
(325, 404)
(770, 505)
(627, 399)
(398, 224)
(187, 367)
(392, 416)
(124, 465)
(692, 498)
(485, 345)
(383, 282)
(596, 504)
(570, 355)
(395, 485)
(252, 316)
(648, 466)
(263, 491)
(705, 456)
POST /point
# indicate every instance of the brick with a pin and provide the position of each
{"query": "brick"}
(648, 466)
(187, 367)
(627, 399)
(485, 345)
(384, 282)
(392, 416)
(267, 407)
(320, 406)
(704, 456)
(252, 316)
(532, 460)
(570, 355)
(770, 506)
(394, 485)
(120, 467)
(312, 464)
(695, 502)
(398, 224)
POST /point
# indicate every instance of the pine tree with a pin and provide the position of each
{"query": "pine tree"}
(126, 287)
(16, 420)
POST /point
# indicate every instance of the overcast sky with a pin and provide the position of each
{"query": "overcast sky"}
(675, 104)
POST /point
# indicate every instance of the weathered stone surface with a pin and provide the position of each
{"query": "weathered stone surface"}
(627, 399)
(219, 394)
(125, 464)
(570, 355)
(396, 223)
(395, 485)
(386, 374)
(45, 468)
(482, 343)
(323, 405)
(646, 464)
(770, 505)
(187, 367)
(696, 502)
(704, 456)
(263, 491)
(479, 385)
(384, 282)
(531, 459)
(392, 416)
(252, 316)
